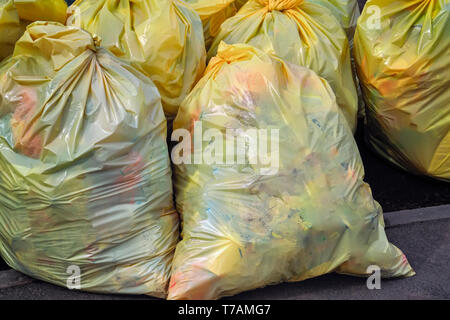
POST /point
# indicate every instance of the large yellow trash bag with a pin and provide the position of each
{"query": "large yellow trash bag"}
(162, 38)
(402, 49)
(15, 15)
(300, 32)
(85, 178)
(303, 213)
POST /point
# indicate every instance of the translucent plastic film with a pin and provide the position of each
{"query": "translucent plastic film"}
(300, 32)
(162, 38)
(299, 210)
(15, 15)
(402, 49)
(85, 178)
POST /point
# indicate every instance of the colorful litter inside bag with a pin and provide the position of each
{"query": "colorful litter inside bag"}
(162, 38)
(303, 213)
(15, 15)
(85, 178)
(300, 32)
(403, 54)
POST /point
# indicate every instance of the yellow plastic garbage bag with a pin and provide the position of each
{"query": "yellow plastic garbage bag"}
(402, 49)
(297, 210)
(240, 3)
(162, 38)
(85, 178)
(346, 11)
(213, 13)
(15, 15)
(300, 32)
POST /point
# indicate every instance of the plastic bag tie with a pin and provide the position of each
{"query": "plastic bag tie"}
(280, 5)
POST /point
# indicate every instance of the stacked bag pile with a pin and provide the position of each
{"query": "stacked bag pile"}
(87, 104)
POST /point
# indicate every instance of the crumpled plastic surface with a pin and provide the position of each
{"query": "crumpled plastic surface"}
(243, 230)
(213, 13)
(300, 32)
(240, 3)
(85, 177)
(15, 15)
(162, 38)
(346, 11)
(404, 69)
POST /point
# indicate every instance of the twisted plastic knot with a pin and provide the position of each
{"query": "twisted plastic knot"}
(280, 5)
(97, 40)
